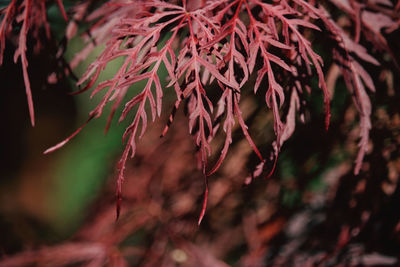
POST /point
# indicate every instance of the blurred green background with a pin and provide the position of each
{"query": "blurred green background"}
(53, 190)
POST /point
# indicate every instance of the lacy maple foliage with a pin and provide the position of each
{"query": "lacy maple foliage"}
(228, 46)
(33, 15)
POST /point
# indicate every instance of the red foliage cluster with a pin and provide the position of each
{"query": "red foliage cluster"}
(32, 14)
(217, 48)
